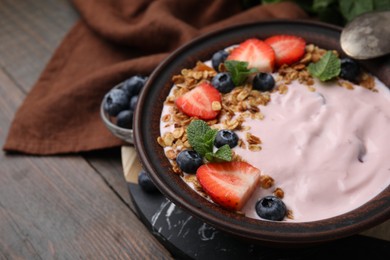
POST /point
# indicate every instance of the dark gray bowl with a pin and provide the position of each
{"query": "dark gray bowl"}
(146, 131)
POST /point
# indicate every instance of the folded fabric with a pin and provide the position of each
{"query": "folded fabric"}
(114, 40)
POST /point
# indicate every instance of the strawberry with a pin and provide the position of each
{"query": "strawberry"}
(198, 102)
(258, 54)
(229, 184)
(288, 48)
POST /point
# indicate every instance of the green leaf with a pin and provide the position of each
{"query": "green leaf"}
(201, 137)
(326, 68)
(209, 156)
(209, 138)
(239, 71)
(196, 129)
(381, 5)
(351, 8)
(224, 153)
(200, 147)
(320, 5)
(196, 133)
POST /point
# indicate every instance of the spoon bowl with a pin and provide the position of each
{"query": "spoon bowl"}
(367, 36)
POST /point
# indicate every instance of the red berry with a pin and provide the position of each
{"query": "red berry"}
(288, 48)
(198, 102)
(229, 184)
(256, 52)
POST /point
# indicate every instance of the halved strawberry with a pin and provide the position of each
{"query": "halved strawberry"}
(288, 48)
(229, 184)
(257, 53)
(204, 102)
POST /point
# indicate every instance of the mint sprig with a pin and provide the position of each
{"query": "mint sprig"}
(239, 71)
(224, 153)
(201, 137)
(328, 67)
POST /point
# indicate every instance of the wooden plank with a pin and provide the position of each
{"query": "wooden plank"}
(108, 164)
(56, 207)
(59, 207)
(30, 30)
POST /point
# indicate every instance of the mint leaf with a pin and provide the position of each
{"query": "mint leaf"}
(196, 131)
(350, 9)
(201, 147)
(320, 5)
(209, 156)
(197, 136)
(224, 153)
(197, 128)
(326, 68)
(201, 137)
(239, 71)
(209, 138)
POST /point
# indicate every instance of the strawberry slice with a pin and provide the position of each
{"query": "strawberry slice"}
(257, 53)
(288, 48)
(203, 102)
(229, 184)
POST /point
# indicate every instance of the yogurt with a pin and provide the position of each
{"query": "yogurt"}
(327, 148)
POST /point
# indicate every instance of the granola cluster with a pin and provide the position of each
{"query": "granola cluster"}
(298, 71)
(237, 106)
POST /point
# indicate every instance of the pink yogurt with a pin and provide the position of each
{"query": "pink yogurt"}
(327, 150)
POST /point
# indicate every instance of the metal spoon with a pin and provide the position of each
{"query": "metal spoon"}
(367, 36)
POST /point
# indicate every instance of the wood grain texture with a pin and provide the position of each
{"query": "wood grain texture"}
(110, 168)
(30, 30)
(59, 207)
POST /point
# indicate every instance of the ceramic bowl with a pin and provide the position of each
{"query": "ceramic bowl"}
(146, 130)
(123, 133)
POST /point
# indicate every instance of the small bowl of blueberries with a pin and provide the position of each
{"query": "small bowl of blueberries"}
(117, 110)
(118, 106)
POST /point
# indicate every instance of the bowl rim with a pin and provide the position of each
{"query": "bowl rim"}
(256, 230)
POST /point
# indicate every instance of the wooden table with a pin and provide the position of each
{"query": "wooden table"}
(66, 207)
(58, 207)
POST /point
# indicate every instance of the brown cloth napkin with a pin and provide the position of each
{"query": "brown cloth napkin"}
(113, 41)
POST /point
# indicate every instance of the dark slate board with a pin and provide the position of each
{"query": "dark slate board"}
(189, 238)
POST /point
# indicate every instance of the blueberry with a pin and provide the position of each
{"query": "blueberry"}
(226, 137)
(218, 58)
(189, 161)
(350, 70)
(125, 119)
(133, 85)
(263, 82)
(271, 208)
(115, 101)
(223, 82)
(146, 183)
(133, 102)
